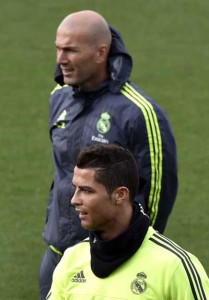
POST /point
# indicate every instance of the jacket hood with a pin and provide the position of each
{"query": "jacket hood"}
(120, 64)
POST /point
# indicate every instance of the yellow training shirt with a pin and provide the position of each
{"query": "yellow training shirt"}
(159, 270)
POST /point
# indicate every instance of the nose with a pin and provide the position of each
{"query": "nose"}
(75, 200)
(61, 56)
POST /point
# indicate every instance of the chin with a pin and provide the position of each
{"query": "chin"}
(87, 226)
(69, 81)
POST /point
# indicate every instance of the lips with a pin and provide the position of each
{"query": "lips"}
(81, 213)
(66, 70)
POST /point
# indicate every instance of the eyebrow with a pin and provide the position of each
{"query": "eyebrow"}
(65, 47)
(81, 186)
(85, 187)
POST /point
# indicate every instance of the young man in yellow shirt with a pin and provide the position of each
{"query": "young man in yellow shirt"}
(124, 257)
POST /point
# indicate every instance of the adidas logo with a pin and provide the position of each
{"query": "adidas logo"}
(79, 277)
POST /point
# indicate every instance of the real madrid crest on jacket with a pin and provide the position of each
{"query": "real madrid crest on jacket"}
(117, 112)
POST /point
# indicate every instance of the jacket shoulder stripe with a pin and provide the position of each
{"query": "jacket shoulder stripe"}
(155, 145)
(191, 271)
(58, 87)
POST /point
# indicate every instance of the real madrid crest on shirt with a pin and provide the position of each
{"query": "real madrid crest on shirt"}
(139, 285)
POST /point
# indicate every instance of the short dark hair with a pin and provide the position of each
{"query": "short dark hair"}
(115, 166)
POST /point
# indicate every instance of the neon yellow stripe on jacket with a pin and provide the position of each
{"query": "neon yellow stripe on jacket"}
(58, 87)
(55, 250)
(155, 145)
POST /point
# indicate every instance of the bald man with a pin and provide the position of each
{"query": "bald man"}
(83, 42)
(95, 102)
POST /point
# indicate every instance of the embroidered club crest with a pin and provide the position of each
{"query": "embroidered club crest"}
(139, 285)
(103, 125)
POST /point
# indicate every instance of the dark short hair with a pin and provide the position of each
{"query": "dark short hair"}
(115, 166)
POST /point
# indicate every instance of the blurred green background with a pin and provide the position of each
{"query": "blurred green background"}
(170, 46)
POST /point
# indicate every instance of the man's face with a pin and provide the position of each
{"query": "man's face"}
(77, 59)
(97, 211)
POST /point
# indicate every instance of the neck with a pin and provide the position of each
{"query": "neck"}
(118, 225)
(95, 81)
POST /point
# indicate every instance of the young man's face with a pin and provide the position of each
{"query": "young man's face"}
(77, 59)
(97, 211)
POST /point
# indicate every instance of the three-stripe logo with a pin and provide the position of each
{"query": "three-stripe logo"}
(79, 277)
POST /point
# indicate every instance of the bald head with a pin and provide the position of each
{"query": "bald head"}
(91, 25)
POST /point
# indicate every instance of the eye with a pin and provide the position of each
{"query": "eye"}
(86, 191)
(70, 50)
(66, 49)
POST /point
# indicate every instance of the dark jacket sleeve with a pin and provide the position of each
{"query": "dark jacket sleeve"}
(156, 155)
(169, 181)
(49, 199)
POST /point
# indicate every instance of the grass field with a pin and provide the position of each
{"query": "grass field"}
(170, 47)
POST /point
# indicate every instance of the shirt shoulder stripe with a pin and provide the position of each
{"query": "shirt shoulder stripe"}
(191, 271)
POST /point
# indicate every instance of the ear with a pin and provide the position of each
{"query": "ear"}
(120, 195)
(102, 53)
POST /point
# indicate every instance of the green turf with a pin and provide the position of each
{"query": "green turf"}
(169, 43)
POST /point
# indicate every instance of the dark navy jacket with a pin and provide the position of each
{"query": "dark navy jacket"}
(117, 112)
